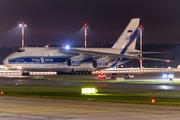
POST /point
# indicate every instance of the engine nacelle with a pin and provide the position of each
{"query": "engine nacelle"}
(99, 64)
(73, 62)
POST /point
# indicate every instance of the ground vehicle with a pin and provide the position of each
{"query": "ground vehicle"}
(114, 75)
(102, 75)
(168, 75)
(128, 76)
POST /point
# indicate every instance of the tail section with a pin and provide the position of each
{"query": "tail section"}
(127, 40)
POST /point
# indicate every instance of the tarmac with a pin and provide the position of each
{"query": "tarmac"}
(21, 108)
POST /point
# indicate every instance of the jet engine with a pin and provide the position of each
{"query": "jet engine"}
(73, 62)
(99, 64)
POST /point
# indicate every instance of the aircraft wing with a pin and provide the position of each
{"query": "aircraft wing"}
(94, 53)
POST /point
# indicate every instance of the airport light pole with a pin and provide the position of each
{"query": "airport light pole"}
(85, 28)
(141, 28)
(22, 25)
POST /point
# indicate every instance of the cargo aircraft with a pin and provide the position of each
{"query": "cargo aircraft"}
(78, 60)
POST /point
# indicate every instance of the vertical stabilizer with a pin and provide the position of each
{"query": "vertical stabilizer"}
(129, 31)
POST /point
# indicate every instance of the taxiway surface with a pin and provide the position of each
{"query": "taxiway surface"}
(99, 83)
(21, 108)
(5, 81)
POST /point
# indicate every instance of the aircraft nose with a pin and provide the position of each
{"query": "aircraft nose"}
(5, 61)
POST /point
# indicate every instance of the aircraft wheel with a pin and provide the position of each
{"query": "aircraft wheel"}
(76, 72)
(59, 73)
(90, 72)
(83, 72)
(79, 73)
(86, 72)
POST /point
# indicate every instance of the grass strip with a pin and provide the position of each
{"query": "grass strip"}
(105, 94)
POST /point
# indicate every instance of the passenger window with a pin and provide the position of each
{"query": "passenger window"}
(20, 50)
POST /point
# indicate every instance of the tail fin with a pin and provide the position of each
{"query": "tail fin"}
(127, 40)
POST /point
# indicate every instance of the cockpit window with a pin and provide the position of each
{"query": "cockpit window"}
(20, 50)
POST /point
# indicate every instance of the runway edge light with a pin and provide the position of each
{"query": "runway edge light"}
(2, 93)
(153, 100)
(88, 90)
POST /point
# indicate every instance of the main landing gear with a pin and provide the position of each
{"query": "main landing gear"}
(83, 72)
(77, 72)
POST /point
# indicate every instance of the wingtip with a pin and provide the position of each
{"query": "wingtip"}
(171, 61)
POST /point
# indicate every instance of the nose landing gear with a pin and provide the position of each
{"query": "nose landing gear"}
(25, 73)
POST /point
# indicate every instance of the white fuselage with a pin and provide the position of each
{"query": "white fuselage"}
(50, 59)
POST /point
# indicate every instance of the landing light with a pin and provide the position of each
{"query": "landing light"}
(19, 67)
(67, 47)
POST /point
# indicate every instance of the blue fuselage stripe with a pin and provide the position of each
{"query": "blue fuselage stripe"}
(43, 60)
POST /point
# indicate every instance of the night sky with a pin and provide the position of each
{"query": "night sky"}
(60, 22)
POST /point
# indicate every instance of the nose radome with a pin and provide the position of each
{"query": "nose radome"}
(5, 61)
